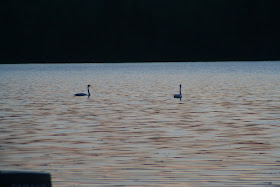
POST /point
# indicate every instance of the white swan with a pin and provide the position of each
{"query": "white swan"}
(178, 95)
(83, 94)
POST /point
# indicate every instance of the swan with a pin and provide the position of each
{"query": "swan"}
(178, 95)
(83, 94)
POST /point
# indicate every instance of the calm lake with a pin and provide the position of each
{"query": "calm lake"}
(132, 132)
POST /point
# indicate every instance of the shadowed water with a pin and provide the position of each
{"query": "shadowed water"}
(132, 132)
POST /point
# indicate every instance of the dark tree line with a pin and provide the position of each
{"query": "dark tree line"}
(139, 30)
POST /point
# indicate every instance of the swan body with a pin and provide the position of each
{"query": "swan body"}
(83, 94)
(178, 95)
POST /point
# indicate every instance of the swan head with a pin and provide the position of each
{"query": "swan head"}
(88, 86)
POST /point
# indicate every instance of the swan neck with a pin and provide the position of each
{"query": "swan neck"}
(88, 92)
(180, 89)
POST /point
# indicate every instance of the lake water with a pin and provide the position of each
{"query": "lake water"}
(132, 132)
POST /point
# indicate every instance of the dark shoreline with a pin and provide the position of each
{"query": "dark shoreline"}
(139, 31)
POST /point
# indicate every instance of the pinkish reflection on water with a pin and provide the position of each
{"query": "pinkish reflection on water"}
(132, 132)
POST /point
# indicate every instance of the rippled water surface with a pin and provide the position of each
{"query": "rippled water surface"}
(132, 132)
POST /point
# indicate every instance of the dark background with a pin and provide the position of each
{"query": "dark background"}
(139, 30)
